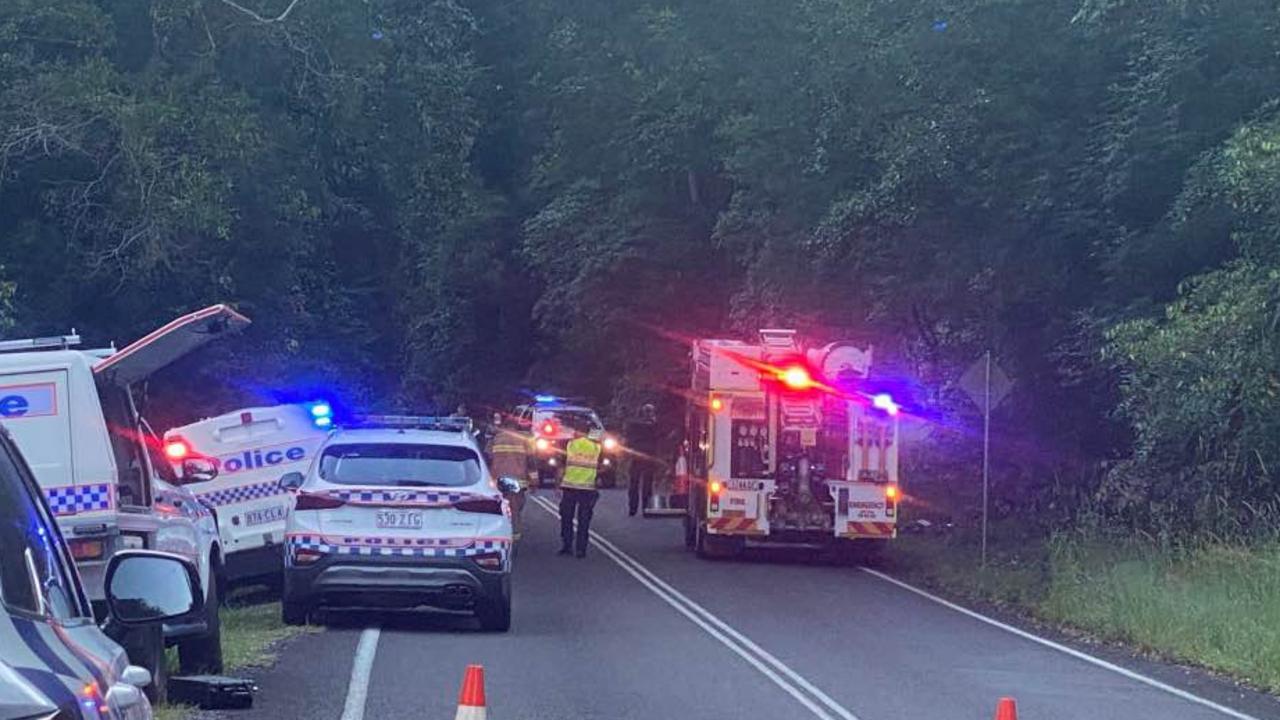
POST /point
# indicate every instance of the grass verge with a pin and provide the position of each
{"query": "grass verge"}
(250, 635)
(1212, 605)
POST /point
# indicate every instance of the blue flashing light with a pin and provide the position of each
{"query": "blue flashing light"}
(323, 422)
(321, 409)
(545, 398)
(884, 401)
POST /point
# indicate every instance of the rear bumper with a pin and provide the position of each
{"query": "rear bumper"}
(395, 582)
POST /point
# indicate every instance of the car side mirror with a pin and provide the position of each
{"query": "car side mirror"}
(291, 481)
(145, 587)
(509, 485)
(198, 470)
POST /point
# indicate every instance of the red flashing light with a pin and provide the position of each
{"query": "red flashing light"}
(177, 449)
(717, 404)
(548, 428)
(796, 377)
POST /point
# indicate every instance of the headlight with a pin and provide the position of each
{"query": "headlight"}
(610, 443)
(542, 444)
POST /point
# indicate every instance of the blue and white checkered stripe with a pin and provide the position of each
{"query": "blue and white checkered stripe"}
(399, 497)
(319, 544)
(74, 499)
(243, 493)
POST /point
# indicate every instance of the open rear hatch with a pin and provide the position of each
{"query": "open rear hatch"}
(167, 344)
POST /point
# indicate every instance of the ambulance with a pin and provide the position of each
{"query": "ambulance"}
(789, 444)
(73, 415)
(251, 449)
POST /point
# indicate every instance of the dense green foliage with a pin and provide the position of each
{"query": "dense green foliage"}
(426, 201)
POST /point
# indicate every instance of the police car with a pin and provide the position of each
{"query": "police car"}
(551, 420)
(251, 448)
(399, 512)
(55, 662)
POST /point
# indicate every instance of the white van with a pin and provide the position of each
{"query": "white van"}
(72, 414)
(252, 448)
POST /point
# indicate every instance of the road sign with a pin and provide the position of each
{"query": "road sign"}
(974, 384)
(986, 385)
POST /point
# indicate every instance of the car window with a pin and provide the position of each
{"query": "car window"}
(33, 575)
(400, 465)
(573, 418)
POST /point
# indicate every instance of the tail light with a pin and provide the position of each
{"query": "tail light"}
(548, 428)
(306, 556)
(485, 506)
(316, 501)
(890, 499)
(713, 489)
(87, 549)
(490, 561)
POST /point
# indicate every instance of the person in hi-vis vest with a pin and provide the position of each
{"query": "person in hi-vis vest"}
(578, 492)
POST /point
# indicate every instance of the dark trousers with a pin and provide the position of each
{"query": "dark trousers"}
(639, 484)
(581, 503)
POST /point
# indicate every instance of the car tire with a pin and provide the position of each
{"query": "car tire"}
(145, 648)
(294, 613)
(495, 615)
(202, 655)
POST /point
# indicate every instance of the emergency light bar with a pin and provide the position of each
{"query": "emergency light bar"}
(414, 422)
(57, 342)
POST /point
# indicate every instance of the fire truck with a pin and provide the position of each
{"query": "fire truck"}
(788, 445)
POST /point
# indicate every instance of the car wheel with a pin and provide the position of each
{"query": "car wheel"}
(495, 615)
(203, 654)
(145, 648)
(294, 613)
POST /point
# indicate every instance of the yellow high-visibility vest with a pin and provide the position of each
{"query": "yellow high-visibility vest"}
(582, 460)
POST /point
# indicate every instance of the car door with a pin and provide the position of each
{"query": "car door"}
(184, 526)
(56, 646)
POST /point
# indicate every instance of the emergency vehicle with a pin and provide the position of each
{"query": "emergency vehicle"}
(252, 448)
(550, 421)
(788, 445)
(400, 512)
(55, 660)
(73, 415)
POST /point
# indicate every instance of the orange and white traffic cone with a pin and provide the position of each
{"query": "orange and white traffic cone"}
(471, 705)
(1007, 709)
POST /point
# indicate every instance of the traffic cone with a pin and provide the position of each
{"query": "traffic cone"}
(471, 705)
(1007, 709)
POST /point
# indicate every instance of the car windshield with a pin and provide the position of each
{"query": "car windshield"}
(400, 465)
(574, 418)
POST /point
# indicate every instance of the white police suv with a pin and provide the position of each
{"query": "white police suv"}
(399, 512)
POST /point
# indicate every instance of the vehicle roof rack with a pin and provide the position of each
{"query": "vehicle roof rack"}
(412, 422)
(56, 342)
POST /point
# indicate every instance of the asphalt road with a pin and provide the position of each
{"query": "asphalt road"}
(642, 629)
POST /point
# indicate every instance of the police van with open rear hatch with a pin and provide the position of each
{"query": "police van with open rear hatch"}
(251, 449)
(400, 512)
(73, 415)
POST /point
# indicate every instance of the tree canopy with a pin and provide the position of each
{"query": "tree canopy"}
(422, 202)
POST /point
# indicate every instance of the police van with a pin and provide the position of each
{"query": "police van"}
(252, 448)
(72, 413)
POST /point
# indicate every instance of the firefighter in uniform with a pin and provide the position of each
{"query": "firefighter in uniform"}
(509, 457)
(578, 492)
(642, 442)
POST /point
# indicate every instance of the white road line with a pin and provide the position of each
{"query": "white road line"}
(789, 680)
(358, 689)
(1191, 697)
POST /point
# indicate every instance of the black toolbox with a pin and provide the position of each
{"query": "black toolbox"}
(212, 692)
